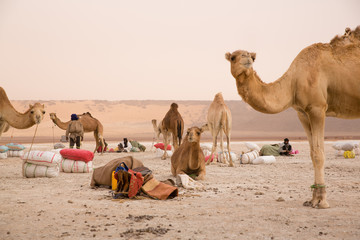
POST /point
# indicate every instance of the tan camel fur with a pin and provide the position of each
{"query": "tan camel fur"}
(90, 124)
(10, 117)
(323, 80)
(219, 120)
(157, 130)
(174, 124)
(189, 158)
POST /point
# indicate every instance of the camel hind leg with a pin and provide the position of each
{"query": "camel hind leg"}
(231, 164)
(165, 135)
(98, 143)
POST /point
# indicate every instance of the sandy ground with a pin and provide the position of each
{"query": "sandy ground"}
(238, 203)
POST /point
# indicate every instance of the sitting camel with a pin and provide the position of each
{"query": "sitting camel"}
(323, 80)
(10, 117)
(189, 158)
(219, 120)
(90, 124)
(174, 124)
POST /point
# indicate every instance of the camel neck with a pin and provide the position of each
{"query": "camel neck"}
(16, 119)
(60, 124)
(269, 98)
(194, 154)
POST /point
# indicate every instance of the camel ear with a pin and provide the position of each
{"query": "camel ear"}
(30, 106)
(43, 105)
(227, 56)
(253, 56)
(204, 128)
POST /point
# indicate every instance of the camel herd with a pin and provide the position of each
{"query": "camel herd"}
(323, 80)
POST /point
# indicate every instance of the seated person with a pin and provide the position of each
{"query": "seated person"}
(285, 148)
(121, 148)
(127, 145)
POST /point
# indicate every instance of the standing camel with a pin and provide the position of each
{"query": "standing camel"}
(10, 117)
(90, 124)
(219, 120)
(323, 80)
(157, 129)
(174, 124)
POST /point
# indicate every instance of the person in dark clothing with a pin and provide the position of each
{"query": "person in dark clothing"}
(75, 131)
(285, 148)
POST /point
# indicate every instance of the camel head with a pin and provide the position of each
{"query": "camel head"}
(37, 112)
(193, 134)
(241, 61)
(174, 106)
(52, 116)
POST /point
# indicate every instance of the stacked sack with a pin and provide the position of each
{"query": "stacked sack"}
(160, 149)
(15, 150)
(3, 151)
(76, 161)
(41, 164)
(253, 157)
(348, 149)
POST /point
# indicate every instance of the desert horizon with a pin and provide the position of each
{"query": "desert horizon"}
(132, 119)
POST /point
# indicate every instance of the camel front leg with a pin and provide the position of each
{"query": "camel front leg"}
(214, 146)
(201, 175)
(314, 123)
(165, 135)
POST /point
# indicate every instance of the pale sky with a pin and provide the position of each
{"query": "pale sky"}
(161, 50)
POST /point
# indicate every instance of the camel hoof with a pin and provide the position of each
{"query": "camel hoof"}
(319, 205)
(323, 204)
(231, 165)
(307, 204)
(163, 158)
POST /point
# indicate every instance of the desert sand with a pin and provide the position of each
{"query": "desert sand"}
(243, 202)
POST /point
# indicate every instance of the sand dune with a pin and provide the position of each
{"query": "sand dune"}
(133, 119)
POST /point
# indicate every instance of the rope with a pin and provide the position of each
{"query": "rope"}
(12, 134)
(53, 134)
(25, 160)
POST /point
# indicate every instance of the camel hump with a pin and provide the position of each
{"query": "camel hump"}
(350, 36)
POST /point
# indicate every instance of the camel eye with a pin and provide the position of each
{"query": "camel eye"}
(43, 112)
(232, 58)
(198, 133)
(32, 112)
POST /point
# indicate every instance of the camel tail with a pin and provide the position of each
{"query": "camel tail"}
(179, 130)
(224, 122)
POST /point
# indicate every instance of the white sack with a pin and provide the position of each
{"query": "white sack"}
(345, 145)
(44, 158)
(264, 159)
(183, 180)
(3, 155)
(160, 152)
(71, 166)
(12, 153)
(225, 155)
(249, 157)
(252, 146)
(33, 171)
(207, 146)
